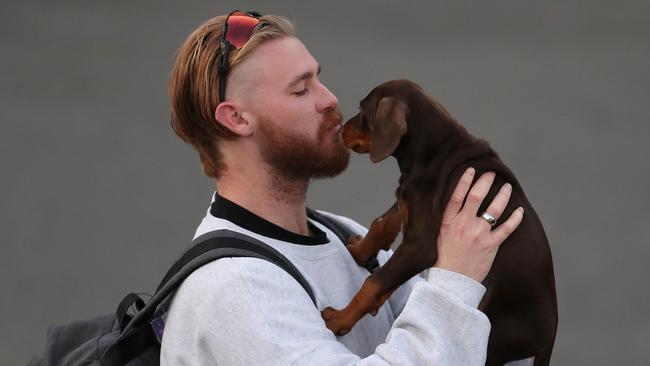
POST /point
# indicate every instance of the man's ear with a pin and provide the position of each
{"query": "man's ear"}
(228, 115)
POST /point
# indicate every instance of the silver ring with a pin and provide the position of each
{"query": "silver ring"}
(489, 218)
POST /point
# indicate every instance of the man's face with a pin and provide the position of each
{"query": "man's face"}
(296, 118)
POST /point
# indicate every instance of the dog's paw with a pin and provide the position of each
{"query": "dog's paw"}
(354, 240)
(359, 249)
(335, 321)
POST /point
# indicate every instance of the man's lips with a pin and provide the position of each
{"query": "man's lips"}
(336, 125)
(333, 119)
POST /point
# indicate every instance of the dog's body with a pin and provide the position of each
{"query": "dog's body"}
(398, 118)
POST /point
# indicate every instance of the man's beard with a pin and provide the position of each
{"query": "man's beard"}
(296, 157)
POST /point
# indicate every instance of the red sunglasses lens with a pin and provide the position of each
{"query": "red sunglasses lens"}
(240, 27)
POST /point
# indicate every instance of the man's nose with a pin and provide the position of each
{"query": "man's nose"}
(326, 100)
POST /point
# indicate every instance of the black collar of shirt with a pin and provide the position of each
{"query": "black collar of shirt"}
(228, 210)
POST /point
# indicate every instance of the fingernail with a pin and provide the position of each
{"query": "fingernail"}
(507, 186)
(521, 210)
(469, 170)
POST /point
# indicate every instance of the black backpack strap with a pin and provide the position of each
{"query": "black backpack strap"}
(343, 232)
(129, 300)
(204, 249)
(239, 245)
(134, 337)
(210, 247)
(226, 243)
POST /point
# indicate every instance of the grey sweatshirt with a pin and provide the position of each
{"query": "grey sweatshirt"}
(247, 311)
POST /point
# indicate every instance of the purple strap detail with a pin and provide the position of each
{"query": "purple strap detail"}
(158, 325)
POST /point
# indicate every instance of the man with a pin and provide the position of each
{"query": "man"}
(273, 129)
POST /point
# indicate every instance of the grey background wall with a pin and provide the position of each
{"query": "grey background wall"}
(98, 195)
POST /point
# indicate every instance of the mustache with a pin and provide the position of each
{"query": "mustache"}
(332, 118)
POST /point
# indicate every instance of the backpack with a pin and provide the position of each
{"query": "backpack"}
(123, 339)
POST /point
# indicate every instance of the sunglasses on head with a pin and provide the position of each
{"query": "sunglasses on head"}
(236, 32)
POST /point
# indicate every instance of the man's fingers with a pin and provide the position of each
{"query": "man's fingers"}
(500, 201)
(478, 193)
(504, 230)
(458, 196)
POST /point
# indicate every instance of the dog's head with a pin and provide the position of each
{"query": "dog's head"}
(382, 119)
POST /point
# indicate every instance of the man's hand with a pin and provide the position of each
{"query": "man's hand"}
(466, 243)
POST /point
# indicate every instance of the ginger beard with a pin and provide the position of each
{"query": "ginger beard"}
(297, 157)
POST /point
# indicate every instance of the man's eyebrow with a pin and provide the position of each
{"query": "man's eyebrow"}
(304, 76)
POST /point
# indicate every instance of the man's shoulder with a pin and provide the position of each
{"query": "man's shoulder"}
(227, 273)
(211, 223)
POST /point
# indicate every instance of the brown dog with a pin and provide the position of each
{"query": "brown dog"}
(398, 118)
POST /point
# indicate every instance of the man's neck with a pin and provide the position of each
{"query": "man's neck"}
(270, 197)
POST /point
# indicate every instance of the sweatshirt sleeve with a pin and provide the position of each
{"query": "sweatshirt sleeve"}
(246, 311)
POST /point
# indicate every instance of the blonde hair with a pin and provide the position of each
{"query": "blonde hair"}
(194, 84)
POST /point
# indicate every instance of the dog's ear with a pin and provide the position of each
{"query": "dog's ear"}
(388, 127)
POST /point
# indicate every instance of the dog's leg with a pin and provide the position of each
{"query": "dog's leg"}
(413, 256)
(376, 289)
(381, 235)
(373, 292)
(367, 300)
